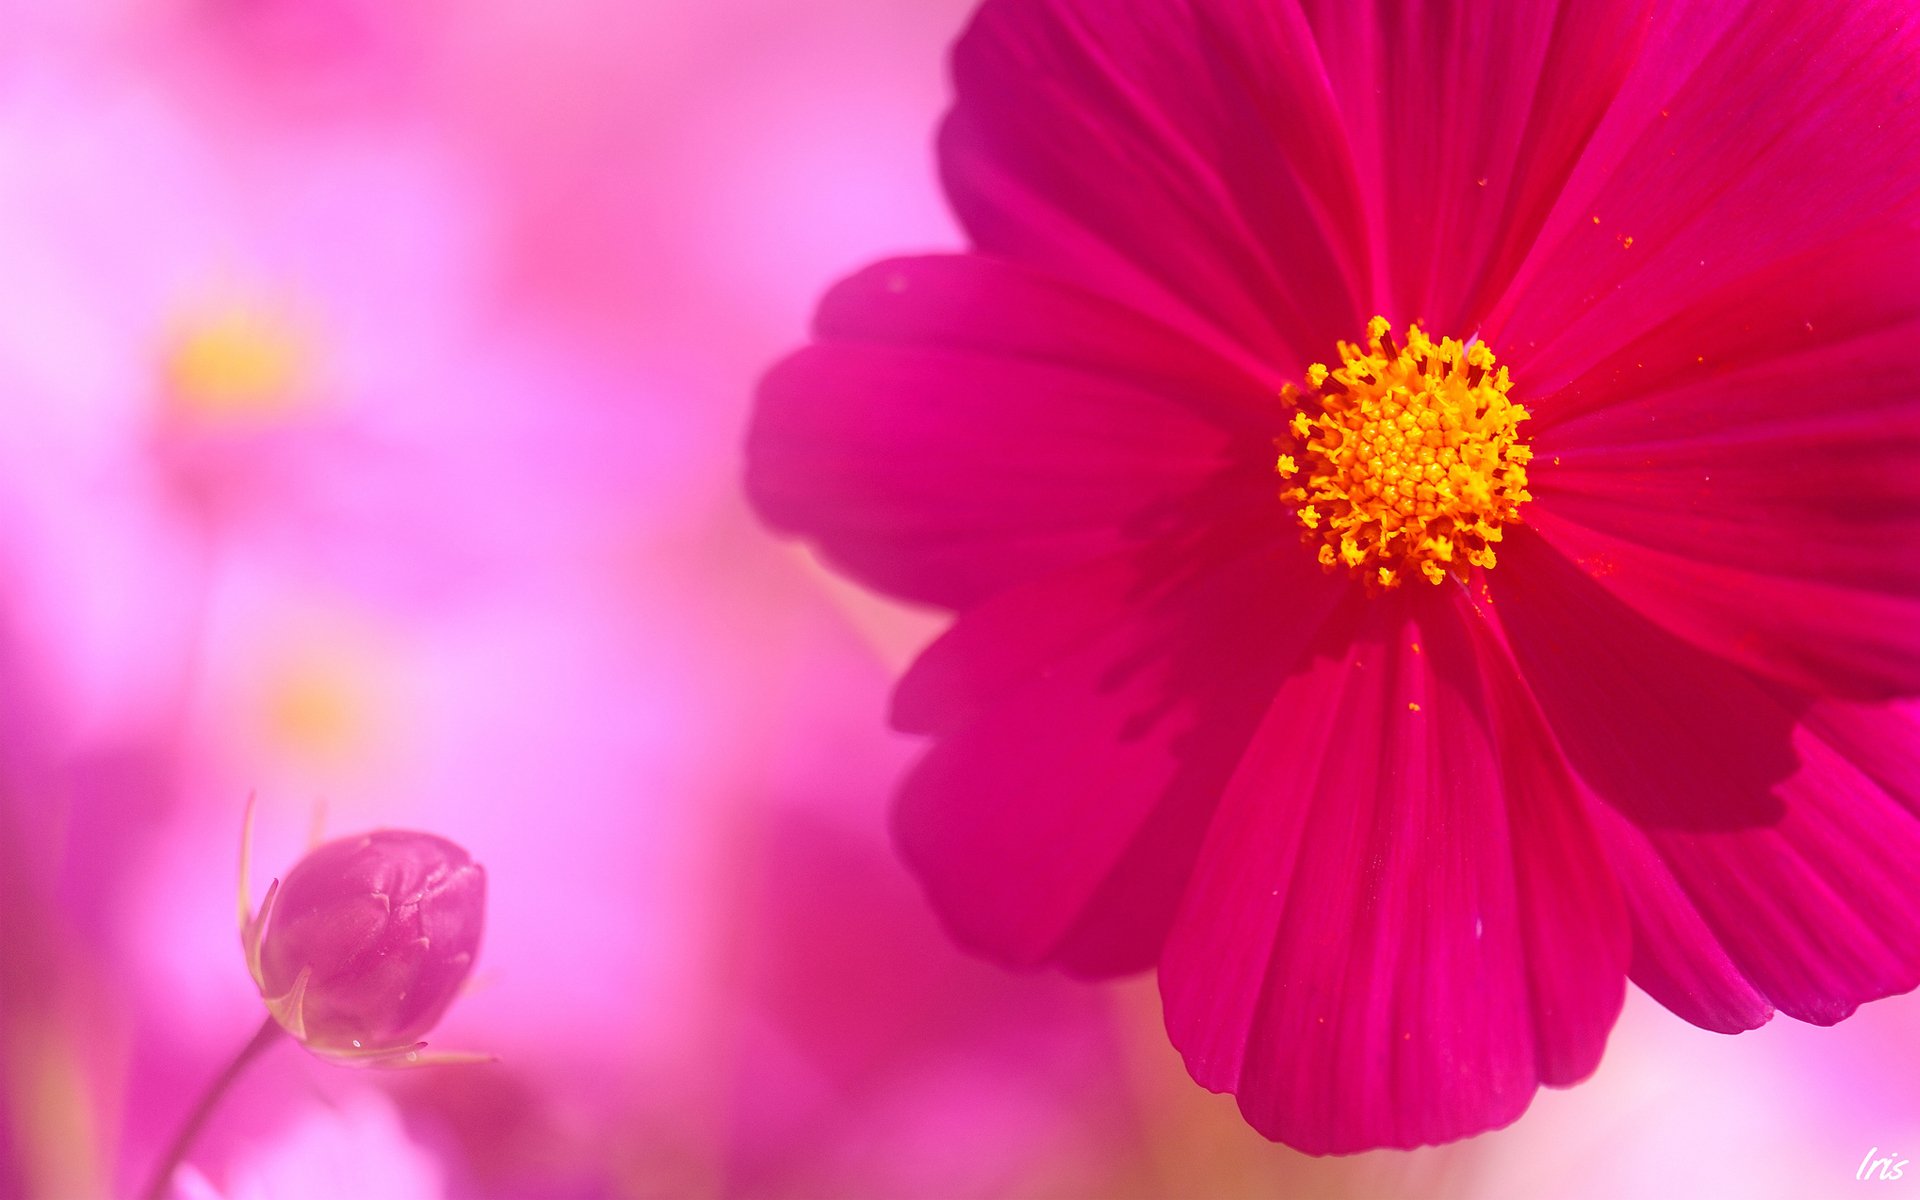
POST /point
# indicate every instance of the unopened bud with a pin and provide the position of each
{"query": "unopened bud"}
(367, 941)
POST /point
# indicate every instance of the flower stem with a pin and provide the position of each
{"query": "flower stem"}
(156, 1188)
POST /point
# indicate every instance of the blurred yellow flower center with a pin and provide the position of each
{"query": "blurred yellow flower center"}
(1405, 460)
(235, 361)
(316, 709)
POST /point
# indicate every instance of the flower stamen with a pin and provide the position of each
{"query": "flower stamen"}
(1411, 456)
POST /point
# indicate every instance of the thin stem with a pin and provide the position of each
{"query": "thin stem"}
(156, 1188)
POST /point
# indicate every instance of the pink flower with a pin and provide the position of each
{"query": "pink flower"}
(355, 1145)
(1398, 713)
(370, 938)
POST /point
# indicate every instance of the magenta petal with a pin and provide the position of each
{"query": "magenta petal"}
(1769, 841)
(1817, 912)
(1744, 135)
(1677, 957)
(1783, 405)
(1467, 119)
(1000, 644)
(1882, 740)
(1665, 732)
(1819, 634)
(1057, 822)
(1400, 924)
(964, 425)
(972, 304)
(1188, 161)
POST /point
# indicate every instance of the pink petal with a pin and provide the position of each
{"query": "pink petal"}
(1882, 740)
(1677, 958)
(1817, 913)
(963, 425)
(1189, 162)
(1466, 120)
(1098, 714)
(1004, 641)
(1400, 924)
(1748, 474)
(1745, 135)
(1769, 841)
(1667, 733)
(1821, 634)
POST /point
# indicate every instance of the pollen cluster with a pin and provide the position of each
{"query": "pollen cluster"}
(1405, 460)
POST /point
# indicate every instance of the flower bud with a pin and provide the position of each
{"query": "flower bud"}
(362, 948)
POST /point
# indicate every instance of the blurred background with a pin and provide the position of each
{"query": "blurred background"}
(372, 381)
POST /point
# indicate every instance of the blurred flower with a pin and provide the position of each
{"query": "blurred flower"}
(58, 1024)
(368, 940)
(1395, 847)
(355, 1146)
(233, 338)
(293, 484)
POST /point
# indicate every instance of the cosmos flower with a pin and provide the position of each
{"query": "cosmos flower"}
(1430, 500)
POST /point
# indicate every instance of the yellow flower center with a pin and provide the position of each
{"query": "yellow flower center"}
(1405, 460)
(235, 362)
